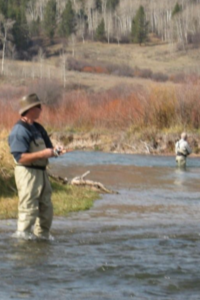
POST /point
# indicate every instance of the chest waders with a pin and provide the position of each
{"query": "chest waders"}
(34, 191)
(181, 158)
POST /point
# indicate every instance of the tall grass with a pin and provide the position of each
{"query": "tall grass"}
(159, 106)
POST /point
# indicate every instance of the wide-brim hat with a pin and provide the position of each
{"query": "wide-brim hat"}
(28, 102)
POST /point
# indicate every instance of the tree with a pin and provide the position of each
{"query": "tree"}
(100, 31)
(98, 5)
(34, 27)
(82, 23)
(177, 9)
(179, 25)
(50, 19)
(139, 27)
(112, 4)
(16, 10)
(3, 7)
(68, 21)
(6, 26)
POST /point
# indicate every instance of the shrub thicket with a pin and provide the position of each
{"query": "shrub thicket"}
(156, 106)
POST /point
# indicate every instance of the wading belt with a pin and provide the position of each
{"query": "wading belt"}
(181, 154)
(33, 167)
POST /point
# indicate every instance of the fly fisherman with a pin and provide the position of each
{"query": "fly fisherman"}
(182, 150)
(31, 148)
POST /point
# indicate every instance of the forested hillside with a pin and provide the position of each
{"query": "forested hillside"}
(111, 21)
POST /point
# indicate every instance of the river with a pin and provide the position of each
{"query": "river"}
(143, 243)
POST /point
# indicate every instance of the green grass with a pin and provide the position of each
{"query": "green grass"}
(65, 198)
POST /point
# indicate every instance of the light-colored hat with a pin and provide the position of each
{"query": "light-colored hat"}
(184, 135)
(28, 102)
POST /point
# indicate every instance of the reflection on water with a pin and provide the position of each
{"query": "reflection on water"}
(180, 177)
(141, 244)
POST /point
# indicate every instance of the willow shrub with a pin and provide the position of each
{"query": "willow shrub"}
(163, 106)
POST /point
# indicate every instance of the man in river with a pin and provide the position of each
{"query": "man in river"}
(182, 150)
(31, 147)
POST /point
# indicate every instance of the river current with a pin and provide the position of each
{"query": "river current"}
(143, 243)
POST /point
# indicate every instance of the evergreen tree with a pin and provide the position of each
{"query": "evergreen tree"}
(112, 4)
(177, 9)
(139, 28)
(3, 7)
(82, 18)
(100, 31)
(34, 27)
(98, 5)
(68, 21)
(17, 11)
(49, 23)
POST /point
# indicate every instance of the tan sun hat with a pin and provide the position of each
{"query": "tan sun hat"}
(28, 102)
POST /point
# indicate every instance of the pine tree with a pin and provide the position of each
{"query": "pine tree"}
(177, 9)
(68, 21)
(49, 23)
(82, 22)
(98, 5)
(17, 11)
(34, 27)
(3, 7)
(139, 28)
(112, 4)
(100, 31)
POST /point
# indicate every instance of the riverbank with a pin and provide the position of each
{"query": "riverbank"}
(141, 142)
(68, 198)
(65, 198)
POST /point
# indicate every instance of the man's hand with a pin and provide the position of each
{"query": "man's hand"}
(59, 150)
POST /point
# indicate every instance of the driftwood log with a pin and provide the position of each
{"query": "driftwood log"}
(80, 181)
(98, 186)
(63, 180)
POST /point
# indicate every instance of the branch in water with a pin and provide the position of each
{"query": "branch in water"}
(80, 181)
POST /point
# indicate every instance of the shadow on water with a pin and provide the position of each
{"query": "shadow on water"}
(141, 244)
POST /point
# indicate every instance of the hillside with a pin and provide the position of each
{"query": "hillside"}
(120, 60)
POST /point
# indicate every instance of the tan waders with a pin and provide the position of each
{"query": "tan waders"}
(34, 191)
(35, 207)
(181, 161)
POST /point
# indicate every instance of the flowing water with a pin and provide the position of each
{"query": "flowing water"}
(143, 243)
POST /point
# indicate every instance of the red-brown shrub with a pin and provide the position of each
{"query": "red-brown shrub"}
(119, 108)
(88, 69)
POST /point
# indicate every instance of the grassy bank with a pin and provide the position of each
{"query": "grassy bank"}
(65, 198)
